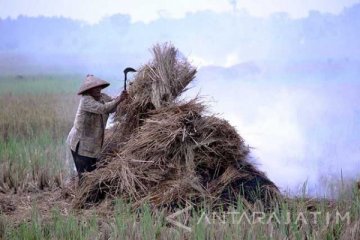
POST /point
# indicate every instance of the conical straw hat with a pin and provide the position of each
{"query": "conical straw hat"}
(91, 82)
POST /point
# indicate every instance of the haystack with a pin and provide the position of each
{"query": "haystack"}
(168, 152)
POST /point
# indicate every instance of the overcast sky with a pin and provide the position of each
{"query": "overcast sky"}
(93, 11)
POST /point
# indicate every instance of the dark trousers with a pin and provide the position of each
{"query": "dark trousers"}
(82, 163)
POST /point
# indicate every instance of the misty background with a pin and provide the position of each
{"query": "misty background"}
(291, 86)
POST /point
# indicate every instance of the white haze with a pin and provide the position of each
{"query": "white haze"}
(92, 11)
(301, 133)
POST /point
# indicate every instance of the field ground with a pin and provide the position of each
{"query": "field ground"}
(36, 190)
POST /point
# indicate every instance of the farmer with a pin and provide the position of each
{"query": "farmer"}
(87, 135)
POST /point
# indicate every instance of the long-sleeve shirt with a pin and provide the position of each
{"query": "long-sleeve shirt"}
(89, 125)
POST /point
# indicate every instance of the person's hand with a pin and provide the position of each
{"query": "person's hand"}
(124, 95)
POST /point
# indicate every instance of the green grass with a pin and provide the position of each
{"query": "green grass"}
(38, 162)
(39, 84)
(36, 114)
(148, 224)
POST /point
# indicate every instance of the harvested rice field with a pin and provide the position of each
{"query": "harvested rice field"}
(169, 169)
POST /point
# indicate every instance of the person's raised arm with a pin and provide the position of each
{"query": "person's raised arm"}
(89, 104)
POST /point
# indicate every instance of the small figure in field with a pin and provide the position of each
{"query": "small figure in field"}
(86, 137)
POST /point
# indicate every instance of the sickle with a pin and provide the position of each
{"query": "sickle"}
(126, 70)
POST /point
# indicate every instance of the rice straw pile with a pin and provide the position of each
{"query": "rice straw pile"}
(169, 153)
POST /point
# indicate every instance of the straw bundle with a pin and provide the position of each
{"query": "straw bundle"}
(156, 85)
(169, 153)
